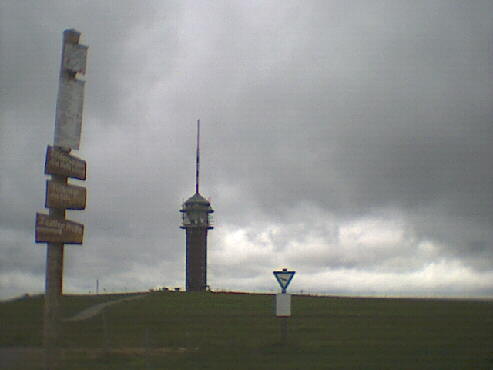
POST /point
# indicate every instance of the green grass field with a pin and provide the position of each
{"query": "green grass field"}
(239, 331)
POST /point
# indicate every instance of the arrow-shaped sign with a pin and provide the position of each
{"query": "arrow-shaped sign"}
(284, 277)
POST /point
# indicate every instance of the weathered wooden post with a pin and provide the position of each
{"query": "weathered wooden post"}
(53, 228)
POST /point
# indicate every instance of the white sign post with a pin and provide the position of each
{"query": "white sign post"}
(68, 119)
(283, 305)
(283, 301)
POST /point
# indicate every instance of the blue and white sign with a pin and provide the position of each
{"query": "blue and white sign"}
(284, 277)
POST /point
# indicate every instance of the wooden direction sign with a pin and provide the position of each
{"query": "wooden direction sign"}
(51, 230)
(59, 195)
(61, 163)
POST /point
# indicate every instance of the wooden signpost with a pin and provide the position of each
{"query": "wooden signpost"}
(53, 228)
(59, 195)
(59, 162)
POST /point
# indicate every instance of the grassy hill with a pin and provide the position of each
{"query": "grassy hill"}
(170, 330)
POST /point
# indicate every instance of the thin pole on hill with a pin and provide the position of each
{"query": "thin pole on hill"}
(284, 330)
(53, 288)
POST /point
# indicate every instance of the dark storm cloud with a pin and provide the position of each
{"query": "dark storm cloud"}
(405, 122)
(389, 128)
(336, 137)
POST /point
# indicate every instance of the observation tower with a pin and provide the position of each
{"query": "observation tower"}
(197, 221)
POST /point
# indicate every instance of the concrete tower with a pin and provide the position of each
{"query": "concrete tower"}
(196, 213)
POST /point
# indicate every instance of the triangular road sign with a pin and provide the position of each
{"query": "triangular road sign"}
(284, 277)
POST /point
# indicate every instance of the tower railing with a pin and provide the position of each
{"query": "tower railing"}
(208, 221)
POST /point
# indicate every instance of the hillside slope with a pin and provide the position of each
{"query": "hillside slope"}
(224, 331)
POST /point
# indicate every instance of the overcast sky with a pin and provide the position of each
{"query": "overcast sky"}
(349, 141)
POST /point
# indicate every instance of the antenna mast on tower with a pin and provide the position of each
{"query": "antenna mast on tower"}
(197, 160)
